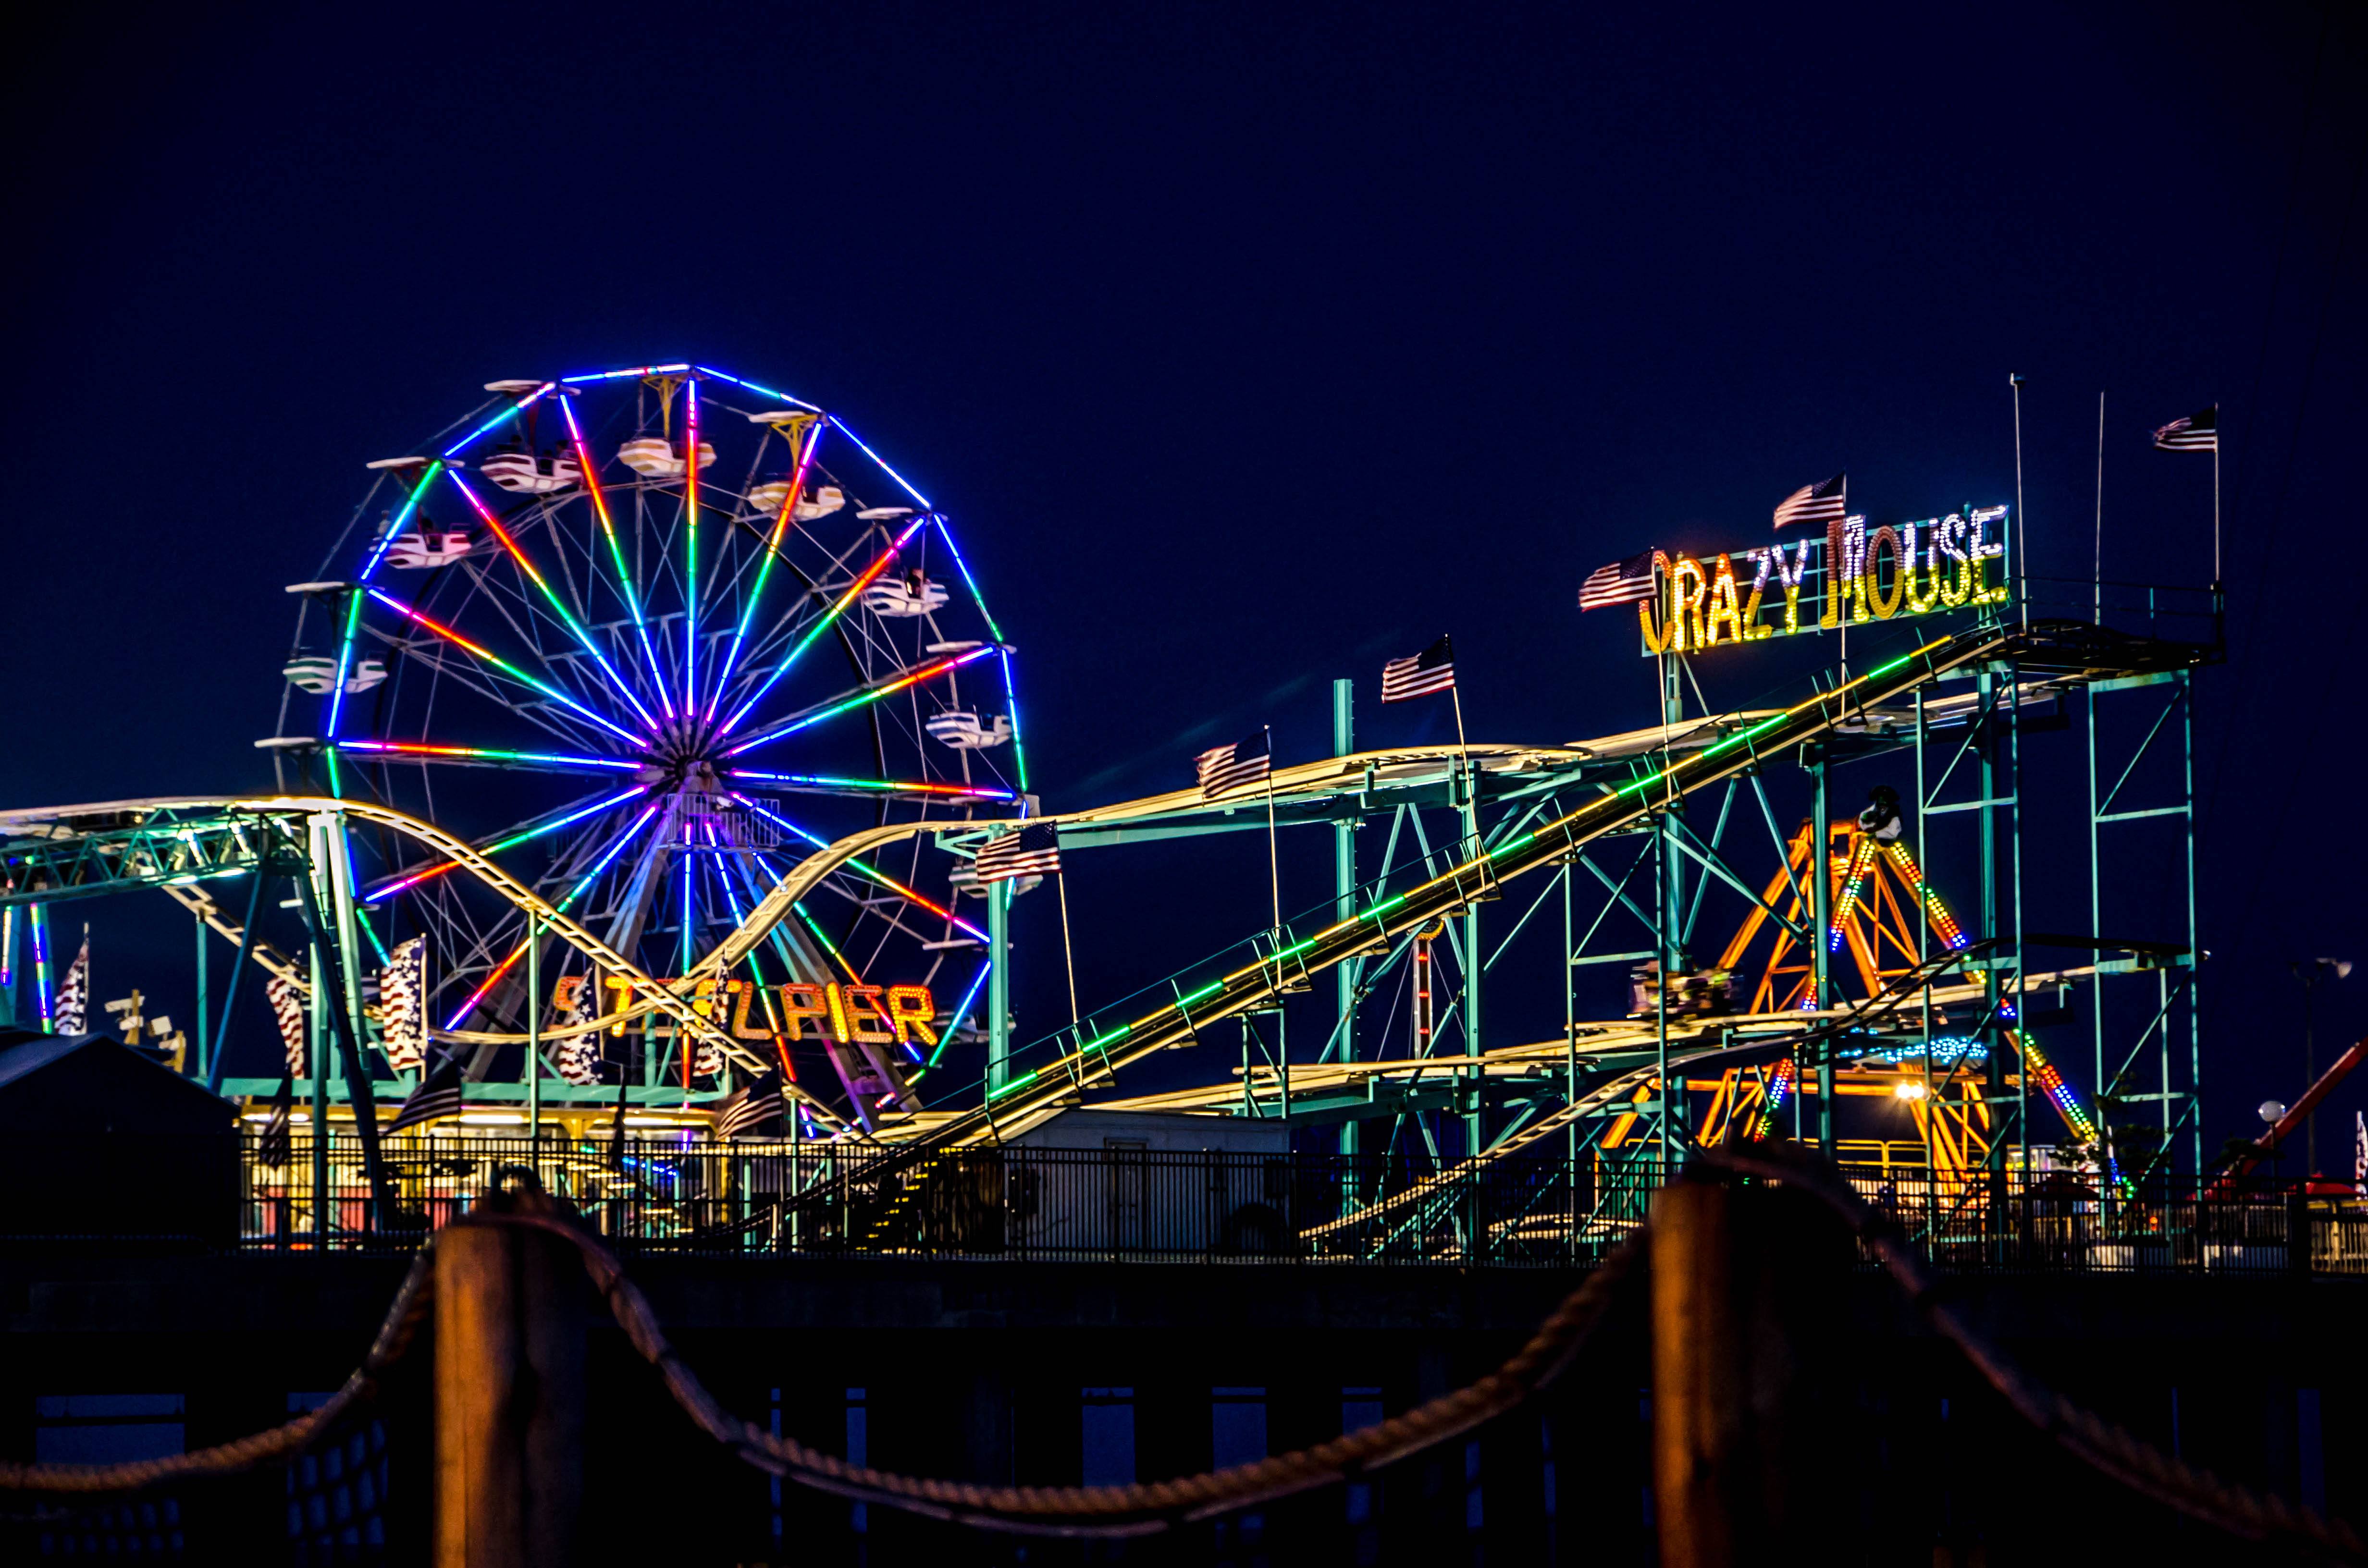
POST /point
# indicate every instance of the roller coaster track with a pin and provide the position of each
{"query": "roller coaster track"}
(647, 994)
(2071, 651)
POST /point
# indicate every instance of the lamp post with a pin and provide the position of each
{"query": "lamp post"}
(2271, 1112)
(2310, 974)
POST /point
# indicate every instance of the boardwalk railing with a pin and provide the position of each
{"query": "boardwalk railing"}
(1102, 1205)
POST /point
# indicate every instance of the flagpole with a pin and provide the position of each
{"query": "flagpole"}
(2022, 537)
(1069, 957)
(1273, 864)
(2100, 509)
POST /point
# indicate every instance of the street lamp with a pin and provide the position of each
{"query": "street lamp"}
(2271, 1112)
(2310, 974)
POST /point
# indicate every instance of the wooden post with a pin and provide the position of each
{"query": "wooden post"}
(1698, 1421)
(509, 1393)
(1747, 1300)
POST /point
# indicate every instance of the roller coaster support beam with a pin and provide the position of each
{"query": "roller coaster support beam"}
(214, 1060)
(333, 946)
(998, 985)
(1473, 847)
(1345, 977)
(1821, 869)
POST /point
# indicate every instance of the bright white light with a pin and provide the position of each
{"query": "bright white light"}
(492, 1118)
(1908, 1089)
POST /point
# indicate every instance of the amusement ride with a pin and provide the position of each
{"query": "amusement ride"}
(641, 731)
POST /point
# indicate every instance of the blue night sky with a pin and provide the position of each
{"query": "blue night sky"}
(1248, 345)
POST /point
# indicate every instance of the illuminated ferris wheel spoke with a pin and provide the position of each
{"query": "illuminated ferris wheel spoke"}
(559, 905)
(870, 575)
(485, 756)
(488, 656)
(802, 464)
(856, 863)
(824, 784)
(813, 716)
(510, 544)
(525, 833)
(599, 494)
(690, 546)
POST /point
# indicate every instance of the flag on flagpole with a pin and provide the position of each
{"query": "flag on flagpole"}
(74, 993)
(2360, 1152)
(2199, 432)
(1427, 673)
(402, 1014)
(288, 1012)
(578, 1056)
(1249, 760)
(1622, 583)
(1819, 504)
(751, 1106)
(1033, 851)
(439, 1095)
(274, 1148)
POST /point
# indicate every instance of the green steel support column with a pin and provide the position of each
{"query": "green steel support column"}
(1662, 904)
(1821, 898)
(2014, 894)
(2194, 933)
(2097, 982)
(1343, 899)
(999, 985)
(1475, 1119)
(1993, 995)
(328, 848)
(534, 1037)
(198, 1063)
(219, 1053)
(11, 977)
(317, 1058)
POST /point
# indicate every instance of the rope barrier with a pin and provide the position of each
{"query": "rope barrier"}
(2096, 1442)
(1149, 1507)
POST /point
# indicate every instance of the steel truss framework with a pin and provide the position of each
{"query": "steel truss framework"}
(1617, 820)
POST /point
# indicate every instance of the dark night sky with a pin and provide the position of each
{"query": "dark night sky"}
(1249, 344)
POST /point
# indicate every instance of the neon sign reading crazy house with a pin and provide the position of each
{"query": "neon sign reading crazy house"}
(1940, 564)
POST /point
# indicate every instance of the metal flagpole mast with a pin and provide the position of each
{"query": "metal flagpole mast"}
(2100, 578)
(2022, 537)
(1068, 954)
(1273, 866)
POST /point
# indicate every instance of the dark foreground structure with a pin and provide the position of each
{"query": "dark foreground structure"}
(1057, 1372)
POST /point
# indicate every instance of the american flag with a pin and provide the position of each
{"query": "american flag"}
(751, 1106)
(288, 1011)
(2198, 432)
(1819, 504)
(439, 1095)
(74, 993)
(401, 1014)
(1033, 851)
(1429, 672)
(579, 1057)
(274, 1147)
(2360, 1152)
(1249, 760)
(1622, 583)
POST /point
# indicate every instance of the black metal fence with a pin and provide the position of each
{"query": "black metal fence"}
(1104, 1205)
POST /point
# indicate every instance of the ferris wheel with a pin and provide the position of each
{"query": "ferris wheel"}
(647, 637)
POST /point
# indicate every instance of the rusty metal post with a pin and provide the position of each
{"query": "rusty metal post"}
(509, 1393)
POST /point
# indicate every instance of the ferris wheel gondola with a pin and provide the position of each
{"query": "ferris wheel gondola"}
(651, 685)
